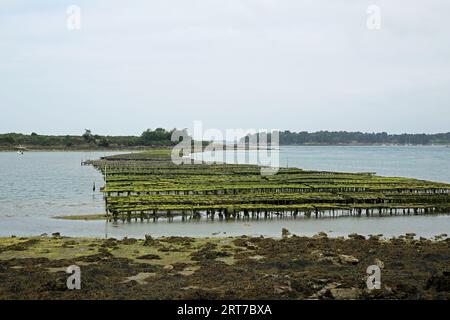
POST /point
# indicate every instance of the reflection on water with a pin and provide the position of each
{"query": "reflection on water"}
(39, 185)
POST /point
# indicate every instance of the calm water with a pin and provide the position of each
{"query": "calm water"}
(429, 163)
(40, 185)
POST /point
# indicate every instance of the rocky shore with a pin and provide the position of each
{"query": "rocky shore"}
(292, 267)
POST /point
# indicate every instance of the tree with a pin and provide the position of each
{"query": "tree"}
(87, 136)
(157, 137)
(104, 142)
(7, 140)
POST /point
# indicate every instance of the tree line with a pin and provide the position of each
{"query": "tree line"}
(344, 137)
(162, 137)
(157, 137)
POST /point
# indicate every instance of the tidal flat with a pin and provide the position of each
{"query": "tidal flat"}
(243, 267)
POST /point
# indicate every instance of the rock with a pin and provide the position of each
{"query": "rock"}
(356, 236)
(325, 292)
(128, 241)
(148, 241)
(441, 236)
(109, 243)
(330, 257)
(140, 278)
(280, 289)
(168, 267)
(317, 254)
(191, 288)
(343, 258)
(250, 245)
(333, 260)
(379, 263)
(345, 293)
(285, 233)
(320, 235)
(322, 280)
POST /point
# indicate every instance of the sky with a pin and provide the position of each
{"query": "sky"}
(249, 64)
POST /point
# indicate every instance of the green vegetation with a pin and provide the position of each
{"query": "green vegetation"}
(146, 185)
(162, 138)
(88, 140)
(225, 268)
(344, 137)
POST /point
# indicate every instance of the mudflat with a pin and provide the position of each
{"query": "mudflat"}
(292, 267)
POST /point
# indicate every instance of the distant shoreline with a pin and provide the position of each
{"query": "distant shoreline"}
(143, 148)
(366, 145)
(65, 149)
(162, 138)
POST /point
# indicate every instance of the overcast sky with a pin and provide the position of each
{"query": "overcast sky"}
(274, 64)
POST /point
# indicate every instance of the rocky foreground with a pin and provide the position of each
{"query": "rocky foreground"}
(225, 268)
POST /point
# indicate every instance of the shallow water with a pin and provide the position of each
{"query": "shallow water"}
(388, 226)
(39, 185)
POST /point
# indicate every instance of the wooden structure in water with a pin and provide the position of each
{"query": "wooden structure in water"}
(145, 186)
